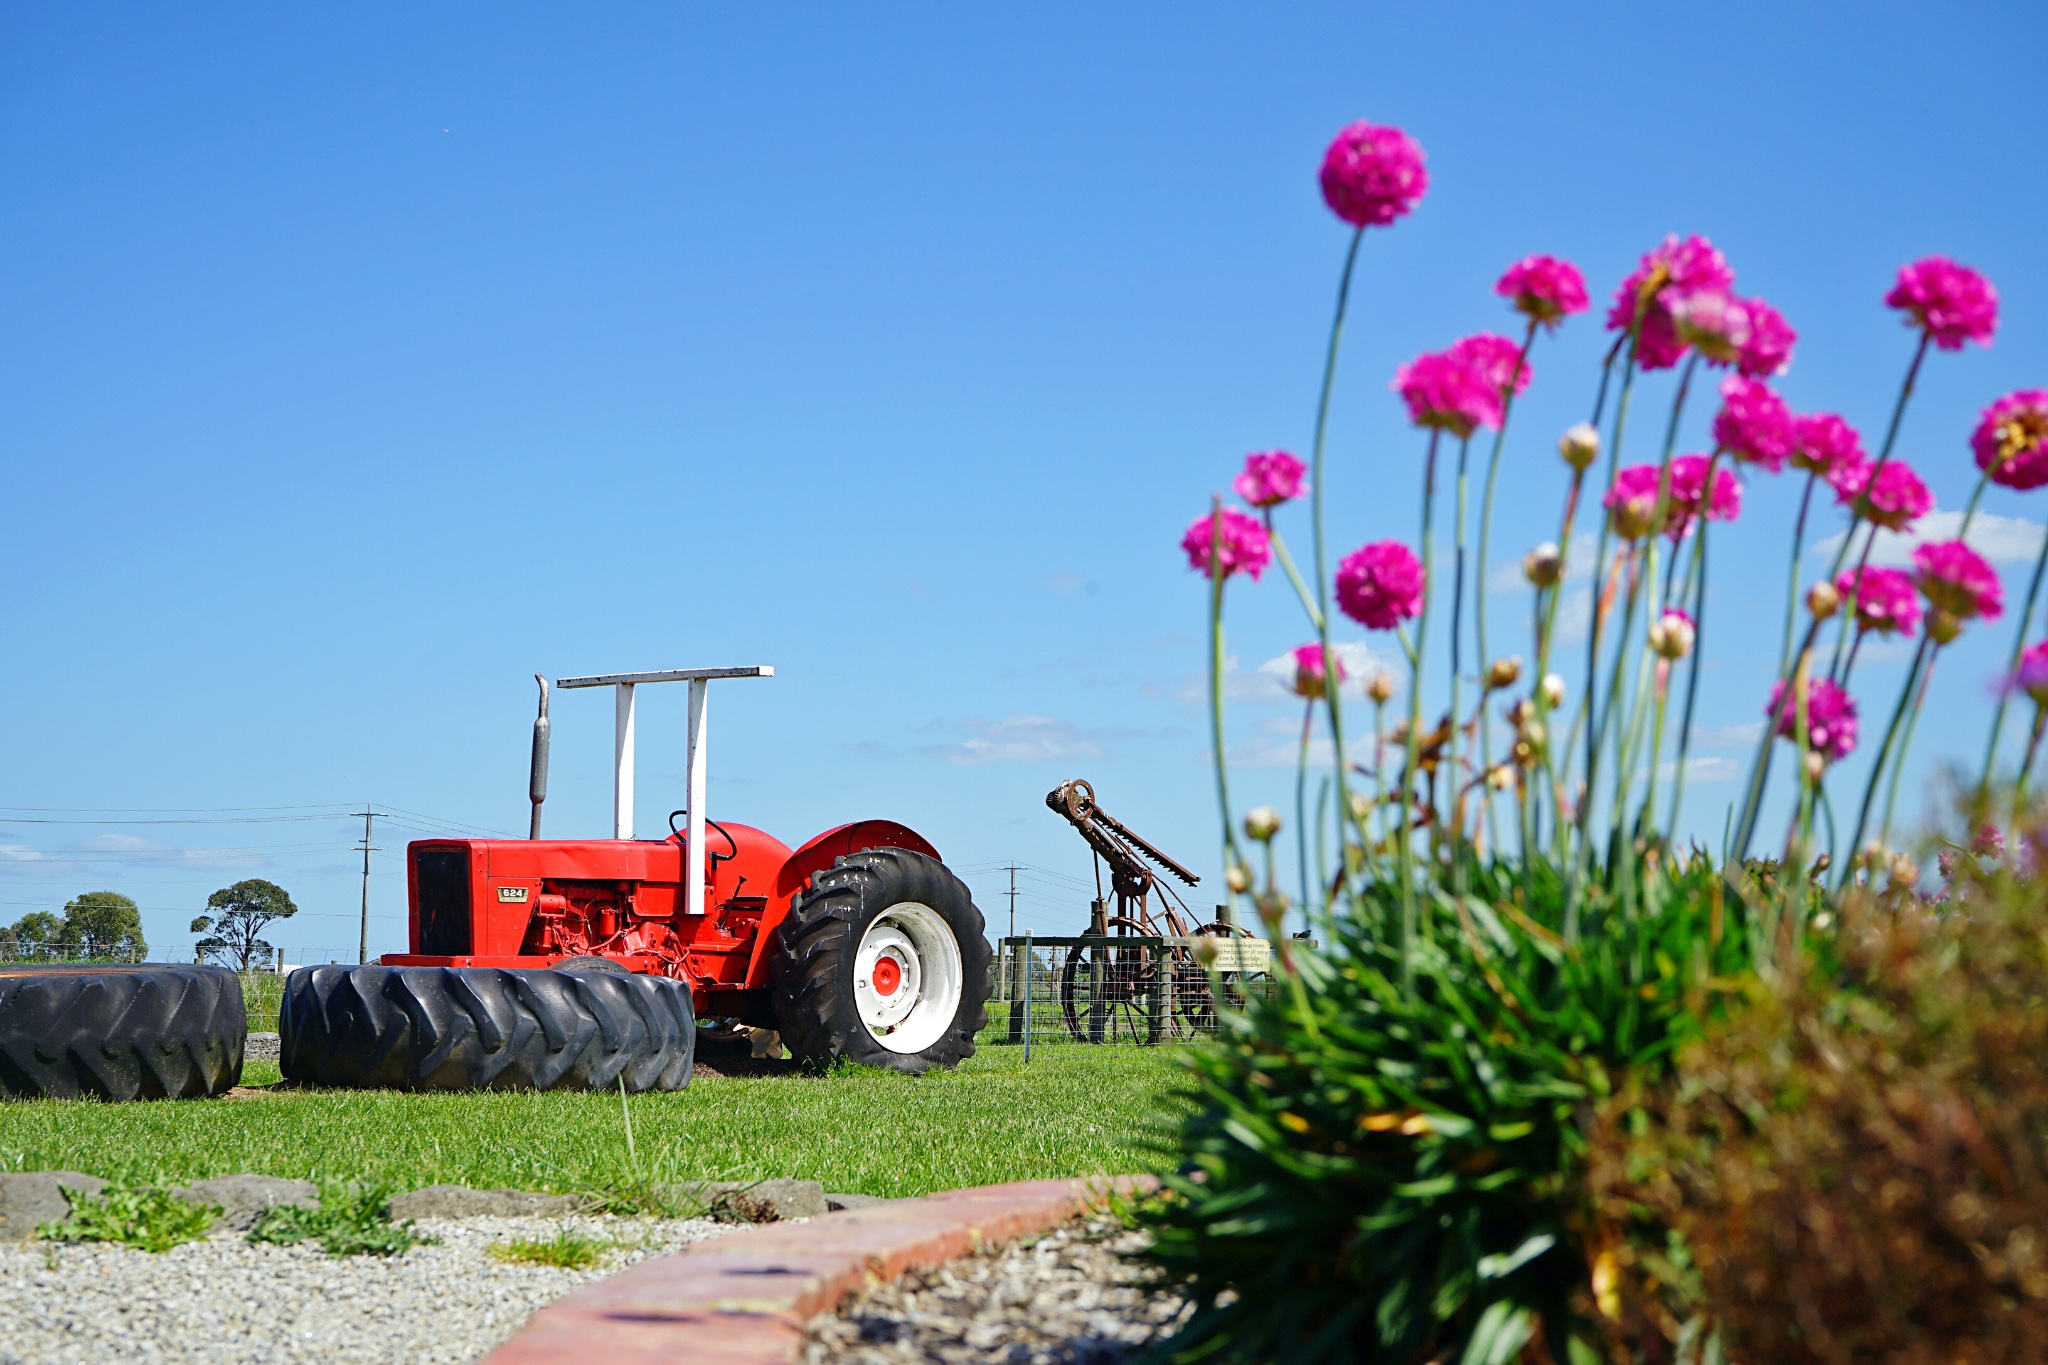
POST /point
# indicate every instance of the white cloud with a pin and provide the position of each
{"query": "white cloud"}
(1023, 739)
(1269, 681)
(2002, 540)
(1706, 769)
(123, 850)
(1743, 736)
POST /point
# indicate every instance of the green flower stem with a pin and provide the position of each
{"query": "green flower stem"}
(1301, 803)
(1403, 842)
(1629, 750)
(1696, 580)
(1792, 578)
(1891, 795)
(1322, 848)
(1500, 438)
(1803, 735)
(1331, 694)
(1598, 733)
(1860, 513)
(1752, 801)
(1883, 752)
(1457, 810)
(1216, 577)
(2019, 791)
(1301, 592)
(1628, 383)
(2012, 667)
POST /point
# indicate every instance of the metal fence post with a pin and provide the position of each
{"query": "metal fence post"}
(1015, 990)
(1027, 994)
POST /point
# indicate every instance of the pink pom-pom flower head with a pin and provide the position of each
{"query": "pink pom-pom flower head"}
(1898, 498)
(1768, 351)
(1885, 600)
(1270, 478)
(1754, 425)
(2011, 439)
(1951, 303)
(2031, 677)
(1372, 175)
(1632, 502)
(1830, 718)
(1823, 443)
(1498, 361)
(1241, 544)
(1675, 270)
(1444, 390)
(1380, 585)
(1957, 581)
(1308, 669)
(1547, 289)
(1715, 324)
(1688, 483)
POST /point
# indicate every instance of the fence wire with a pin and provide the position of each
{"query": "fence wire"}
(1129, 991)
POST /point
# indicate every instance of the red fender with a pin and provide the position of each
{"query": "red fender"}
(816, 856)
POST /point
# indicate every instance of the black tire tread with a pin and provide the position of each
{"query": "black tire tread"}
(485, 1028)
(156, 1030)
(814, 947)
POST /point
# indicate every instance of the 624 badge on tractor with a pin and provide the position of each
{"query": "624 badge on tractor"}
(543, 962)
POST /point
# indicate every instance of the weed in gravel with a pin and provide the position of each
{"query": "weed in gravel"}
(133, 1215)
(351, 1221)
(567, 1250)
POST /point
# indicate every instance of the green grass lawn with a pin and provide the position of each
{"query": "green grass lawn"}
(1072, 1111)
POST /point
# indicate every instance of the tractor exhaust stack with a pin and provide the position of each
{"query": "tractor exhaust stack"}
(537, 775)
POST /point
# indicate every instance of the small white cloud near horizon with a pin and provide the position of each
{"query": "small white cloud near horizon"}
(1703, 770)
(1023, 739)
(2002, 540)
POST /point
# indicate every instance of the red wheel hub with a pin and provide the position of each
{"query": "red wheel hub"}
(888, 975)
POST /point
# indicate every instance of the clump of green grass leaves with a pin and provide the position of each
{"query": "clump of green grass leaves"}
(566, 1250)
(140, 1216)
(350, 1221)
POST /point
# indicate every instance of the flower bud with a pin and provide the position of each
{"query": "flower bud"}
(1380, 686)
(1524, 754)
(1361, 807)
(1521, 713)
(1823, 600)
(1237, 879)
(1579, 446)
(1544, 565)
(1816, 766)
(1553, 691)
(1905, 872)
(1261, 823)
(1533, 732)
(1873, 854)
(1204, 947)
(1943, 626)
(1671, 635)
(1501, 777)
(1399, 734)
(1503, 673)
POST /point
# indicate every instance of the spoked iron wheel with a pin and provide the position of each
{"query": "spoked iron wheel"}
(1194, 1001)
(1111, 995)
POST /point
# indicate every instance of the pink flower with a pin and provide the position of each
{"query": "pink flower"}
(1380, 585)
(1270, 478)
(1754, 425)
(1823, 443)
(1546, 288)
(1241, 542)
(1308, 669)
(2011, 439)
(1632, 502)
(1951, 303)
(1955, 579)
(1989, 843)
(1714, 322)
(1373, 175)
(1897, 500)
(1498, 360)
(1688, 480)
(1674, 271)
(1830, 718)
(1445, 391)
(1885, 600)
(2031, 677)
(1769, 349)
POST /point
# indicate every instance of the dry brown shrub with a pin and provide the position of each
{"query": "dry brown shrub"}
(1853, 1165)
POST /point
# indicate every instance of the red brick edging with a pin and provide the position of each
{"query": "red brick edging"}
(744, 1299)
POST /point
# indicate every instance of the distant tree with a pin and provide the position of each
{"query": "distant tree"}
(239, 914)
(35, 935)
(104, 925)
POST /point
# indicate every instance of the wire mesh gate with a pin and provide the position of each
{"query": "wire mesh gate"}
(1119, 989)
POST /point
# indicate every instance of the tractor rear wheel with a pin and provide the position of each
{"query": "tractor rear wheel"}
(153, 1031)
(485, 1028)
(882, 961)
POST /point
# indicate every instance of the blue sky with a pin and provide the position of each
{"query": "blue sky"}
(358, 362)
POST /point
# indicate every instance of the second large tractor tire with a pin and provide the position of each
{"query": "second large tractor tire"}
(485, 1028)
(882, 960)
(152, 1031)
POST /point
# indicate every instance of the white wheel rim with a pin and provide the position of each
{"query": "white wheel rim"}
(907, 977)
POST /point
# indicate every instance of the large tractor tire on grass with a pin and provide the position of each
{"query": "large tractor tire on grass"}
(882, 961)
(153, 1031)
(485, 1028)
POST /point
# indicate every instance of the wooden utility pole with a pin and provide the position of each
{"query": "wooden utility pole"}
(363, 943)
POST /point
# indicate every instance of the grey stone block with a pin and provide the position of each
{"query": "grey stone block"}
(836, 1202)
(459, 1201)
(756, 1201)
(29, 1198)
(242, 1199)
(260, 1047)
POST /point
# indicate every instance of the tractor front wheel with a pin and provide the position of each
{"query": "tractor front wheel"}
(882, 961)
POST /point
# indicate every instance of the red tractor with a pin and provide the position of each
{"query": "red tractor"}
(858, 944)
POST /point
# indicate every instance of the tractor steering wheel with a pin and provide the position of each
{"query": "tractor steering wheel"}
(730, 842)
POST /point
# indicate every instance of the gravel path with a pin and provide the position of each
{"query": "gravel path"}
(227, 1300)
(1067, 1299)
